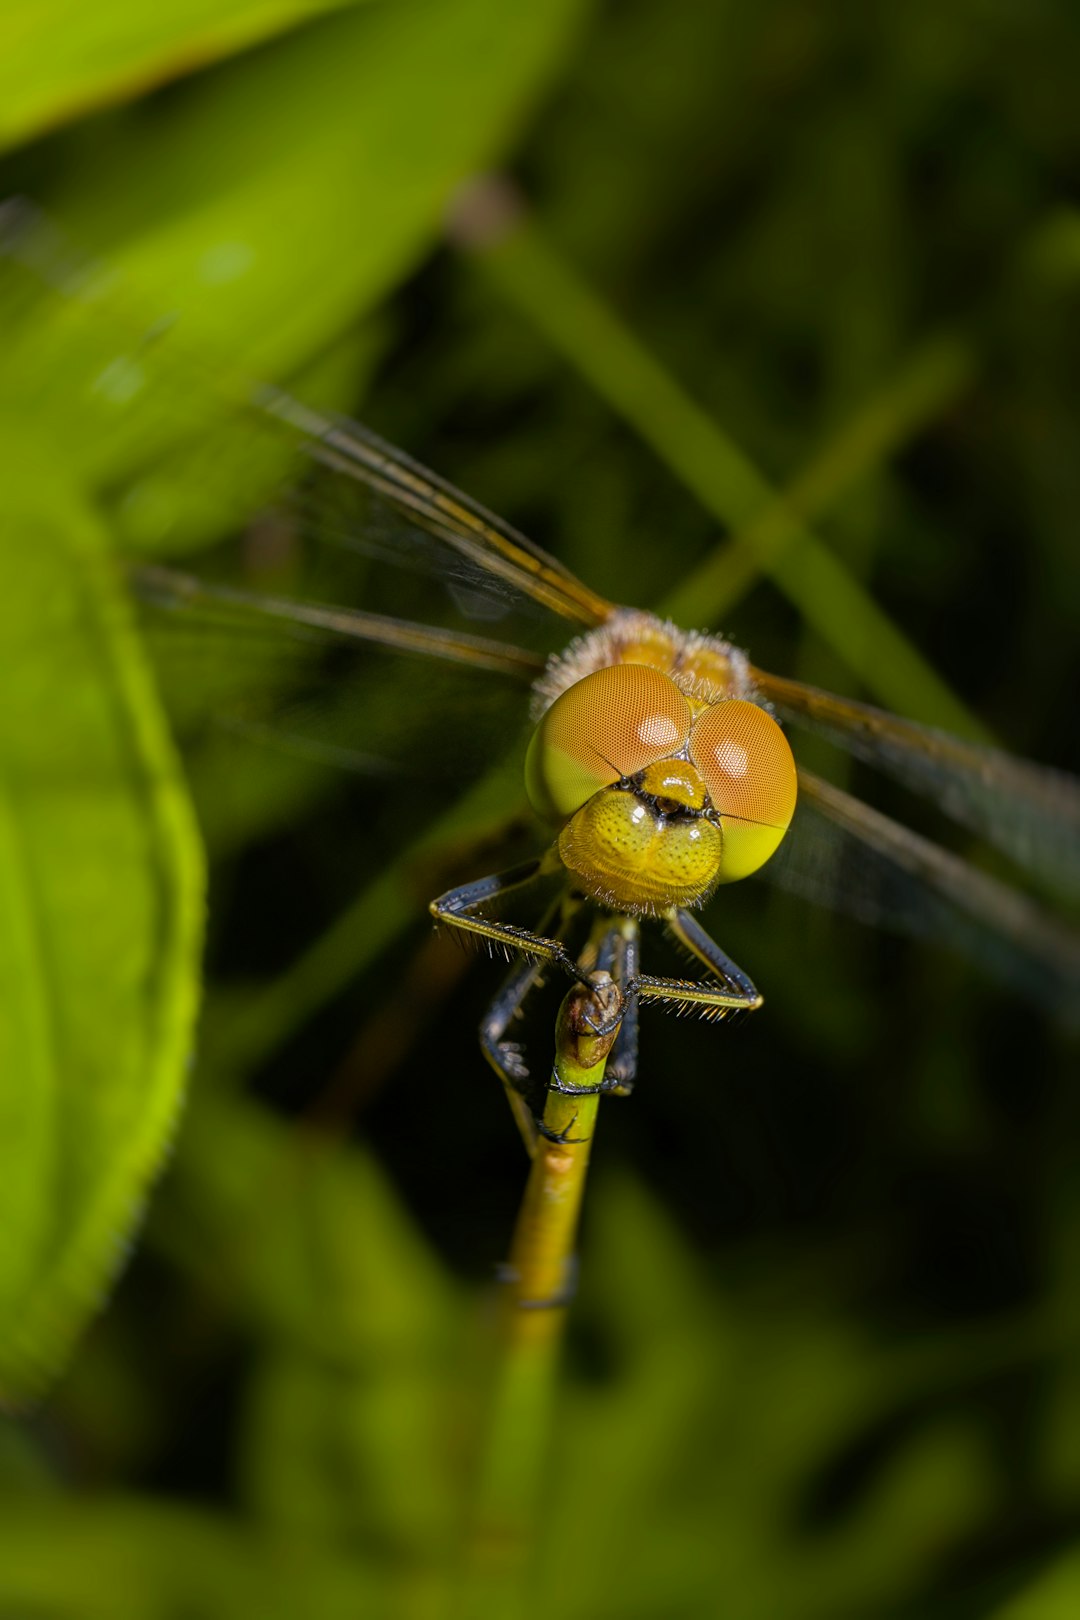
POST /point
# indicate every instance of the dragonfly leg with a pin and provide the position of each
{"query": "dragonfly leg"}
(463, 909)
(622, 1064)
(729, 989)
(505, 1056)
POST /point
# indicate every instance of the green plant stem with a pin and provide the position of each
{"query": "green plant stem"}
(538, 1287)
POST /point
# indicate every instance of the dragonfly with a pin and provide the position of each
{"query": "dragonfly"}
(662, 765)
(660, 768)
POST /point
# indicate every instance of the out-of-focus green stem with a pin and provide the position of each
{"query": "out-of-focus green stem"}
(771, 532)
(538, 1286)
(261, 1021)
(775, 541)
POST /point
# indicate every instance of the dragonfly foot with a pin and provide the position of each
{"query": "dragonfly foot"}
(566, 1089)
(560, 1138)
(512, 1064)
(603, 1026)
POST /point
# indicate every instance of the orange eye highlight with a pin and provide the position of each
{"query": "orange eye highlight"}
(747, 766)
(611, 724)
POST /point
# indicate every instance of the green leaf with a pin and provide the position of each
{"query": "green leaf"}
(57, 61)
(100, 913)
(297, 185)
(355, 1401)
(242, 230)
(352, 1421)
(118, 1558)
(305, 1238)
(1054, 1595)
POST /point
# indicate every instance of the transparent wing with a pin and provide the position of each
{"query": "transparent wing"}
(844, 855)
(1030, 813)
(214, 603)
(280, 711)
(442, 511)
(138, 399)
(358, 682)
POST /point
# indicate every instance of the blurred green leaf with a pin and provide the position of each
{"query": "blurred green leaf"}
(302, 182)
(100, 916)
(717, 1422)
(1054, 1595)
(119, 1558)
(307, 1238)
(58, 61)
(305, 180)
(356, 1398)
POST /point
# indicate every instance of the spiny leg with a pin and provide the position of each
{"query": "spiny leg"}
(624, 942)
(505, 1056)
(730, 991)
(461, 909)
(686, 929)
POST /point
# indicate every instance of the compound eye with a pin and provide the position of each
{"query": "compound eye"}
(746, 764)
(610, 724)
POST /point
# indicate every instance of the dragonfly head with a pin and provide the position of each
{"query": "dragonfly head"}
(659, 798)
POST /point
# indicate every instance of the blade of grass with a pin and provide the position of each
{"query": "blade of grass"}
(772, 535)
(930, 379)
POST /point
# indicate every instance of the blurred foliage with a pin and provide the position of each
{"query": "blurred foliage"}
(102, 914)
(825, 1361)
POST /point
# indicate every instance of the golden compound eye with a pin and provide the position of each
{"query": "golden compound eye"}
(747, 766)
(611, 724)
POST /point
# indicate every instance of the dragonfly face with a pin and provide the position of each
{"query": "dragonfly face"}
(666, 778)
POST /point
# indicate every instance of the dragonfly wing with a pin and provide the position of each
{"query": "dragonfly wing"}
(467, 527)
(173, 590)
(1029, 812)
(189, 448)
(224, 653)
(843, 854)
(278, 711)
